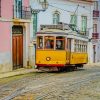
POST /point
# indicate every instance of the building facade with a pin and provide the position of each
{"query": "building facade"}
(14, 34)
(96, 31)
(78, 13)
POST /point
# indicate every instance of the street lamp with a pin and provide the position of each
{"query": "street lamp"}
(35, 12)
(44, 5)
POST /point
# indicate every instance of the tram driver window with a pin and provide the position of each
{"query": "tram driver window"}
(49, 42)
(60, 43)
(40, 42)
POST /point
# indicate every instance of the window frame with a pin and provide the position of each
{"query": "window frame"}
(38, 42)
(18, 8)
(95, 5)
(45, 40)
(84, 23)
(56, 17)
(34, 23)
(95, 28)
(81, 46)
(73, 19)
(63, 39)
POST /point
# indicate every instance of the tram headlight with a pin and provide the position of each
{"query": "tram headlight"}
(48, 58)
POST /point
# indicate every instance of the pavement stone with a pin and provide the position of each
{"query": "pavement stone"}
(29, 70)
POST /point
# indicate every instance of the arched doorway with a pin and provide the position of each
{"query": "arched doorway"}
(17, 46)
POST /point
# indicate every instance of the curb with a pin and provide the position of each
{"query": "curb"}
(92, 65)
(17, 72)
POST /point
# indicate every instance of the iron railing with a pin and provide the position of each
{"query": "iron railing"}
(21, 12)
(95, 35)
(95, 13)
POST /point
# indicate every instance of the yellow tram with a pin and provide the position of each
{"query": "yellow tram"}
(59, 47)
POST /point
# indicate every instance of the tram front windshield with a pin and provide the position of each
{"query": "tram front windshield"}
(50, 42)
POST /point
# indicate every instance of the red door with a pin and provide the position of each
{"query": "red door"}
(17, 51)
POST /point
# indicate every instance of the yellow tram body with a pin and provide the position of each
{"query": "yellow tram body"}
(78, 58)
(51, 57)
(71, 54)
(58, 58)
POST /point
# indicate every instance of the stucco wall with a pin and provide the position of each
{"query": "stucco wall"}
(6, 24)
(5, 47)
(7, 9)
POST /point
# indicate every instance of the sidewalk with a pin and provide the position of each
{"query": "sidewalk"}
(30, 70)
(17, 72)
(93, 64)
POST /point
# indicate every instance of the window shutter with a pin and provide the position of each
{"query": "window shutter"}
(84, 23)
(56, 18)
(34, 23)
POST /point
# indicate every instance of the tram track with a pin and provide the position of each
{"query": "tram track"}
(14, 88)
(69, 86)
(75, 84)
(72, 82)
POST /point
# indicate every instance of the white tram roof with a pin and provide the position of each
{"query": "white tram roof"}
(61, 30)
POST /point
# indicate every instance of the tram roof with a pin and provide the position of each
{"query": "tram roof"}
(60, 30)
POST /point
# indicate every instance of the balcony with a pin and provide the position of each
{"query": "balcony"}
(95, 35)
(21, 12)
(95, 13)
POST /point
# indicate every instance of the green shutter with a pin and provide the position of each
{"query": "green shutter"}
(73, 21)
(84, 23)
(55, 18)
(34, 24)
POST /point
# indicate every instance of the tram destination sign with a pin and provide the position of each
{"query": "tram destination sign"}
(59, 26)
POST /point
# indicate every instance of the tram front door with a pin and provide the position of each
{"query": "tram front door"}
(68, 53)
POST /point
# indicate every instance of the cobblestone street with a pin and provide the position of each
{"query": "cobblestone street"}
(82, 84)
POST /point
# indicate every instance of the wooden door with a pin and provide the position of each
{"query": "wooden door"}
(17, 51)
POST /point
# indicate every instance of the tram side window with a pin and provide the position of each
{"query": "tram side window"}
(80, 46)
(60, 43)
(49, 42)
(69, 44)
(40, 42)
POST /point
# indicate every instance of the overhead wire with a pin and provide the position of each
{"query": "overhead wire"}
(74, 11)
(69, 5)
(65, 9)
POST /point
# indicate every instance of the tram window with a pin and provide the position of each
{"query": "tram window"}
(39, 42)
(82, 48)
(49, 42)
(60, 43)
(69, 44)
(85, 48)
(75, 48)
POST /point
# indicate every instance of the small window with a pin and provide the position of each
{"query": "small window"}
(34, 24)
(84, 23)
(95, 28)
(56, 17)
(49, 42)
(96, 5)
(40, 42)
(68, 44)
(60, 43)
